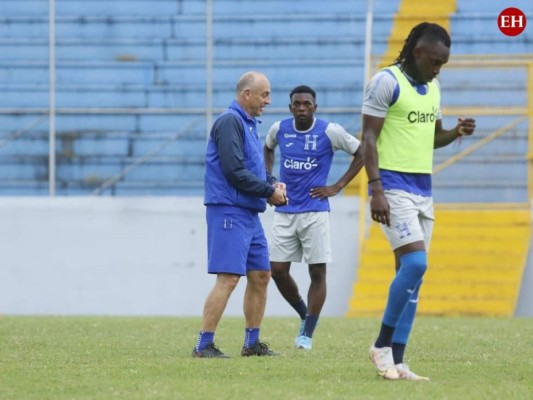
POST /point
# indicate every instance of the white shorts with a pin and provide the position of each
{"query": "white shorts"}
(300, 234)
(411, 218)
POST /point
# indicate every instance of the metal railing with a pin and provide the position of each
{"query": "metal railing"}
(142, 159)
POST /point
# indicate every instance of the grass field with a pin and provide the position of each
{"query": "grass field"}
(150, 358)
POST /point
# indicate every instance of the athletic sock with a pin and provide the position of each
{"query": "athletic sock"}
(204, 339)
(251, 336)
(404, 327)
(385, 336)
(300, 308)
(397, 352)
(310, 325)
(412, 268)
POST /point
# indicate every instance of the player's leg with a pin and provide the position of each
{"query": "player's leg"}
(406, 238)
(401, 337)
(285, 247)
(413, 265)
(288, 287)
(314, 233)
(217, 300)
(405, 325)
(214, 307)
(316, 298)
(401, 333)
(255, 296)
(227, 252)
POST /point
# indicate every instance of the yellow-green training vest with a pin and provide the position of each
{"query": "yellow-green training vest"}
(405, 143)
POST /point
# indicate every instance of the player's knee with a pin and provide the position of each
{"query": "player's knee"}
(279, 271)
(414, 264)
(258, 279)
(317, 272)
(263, 277)
(229, 281)
(280, 276)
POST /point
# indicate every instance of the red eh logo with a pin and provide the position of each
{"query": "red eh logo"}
(512, 21)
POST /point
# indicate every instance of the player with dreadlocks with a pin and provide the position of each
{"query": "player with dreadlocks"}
(402, 124)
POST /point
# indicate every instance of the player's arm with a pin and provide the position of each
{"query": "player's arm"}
(269, 155)
(269, 150)
(443, 137)
(329, 191)
(379, 206)
(229, 137)
(341, 140)
(269, 159)
(381, 93)
(355, 166)
(269, 163)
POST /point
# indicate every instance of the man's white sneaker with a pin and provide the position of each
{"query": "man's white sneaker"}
(405, 373)
(304, 342)
(384, 363)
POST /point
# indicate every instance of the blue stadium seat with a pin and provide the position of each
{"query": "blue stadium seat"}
(129, 7)
(149, 56)
(492, 7)
(86, 50)
(23, 168)
(117, 73)
(190, 148)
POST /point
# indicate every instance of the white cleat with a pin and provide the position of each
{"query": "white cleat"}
(304, 342)
(405, 373)
(384, 363)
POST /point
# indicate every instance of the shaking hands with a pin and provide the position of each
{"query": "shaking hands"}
(279, 197)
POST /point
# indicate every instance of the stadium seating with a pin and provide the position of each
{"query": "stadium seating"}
(146, 60)
(148, 56)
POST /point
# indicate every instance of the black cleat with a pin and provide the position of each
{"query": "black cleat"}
(258, 349)
(211, 351)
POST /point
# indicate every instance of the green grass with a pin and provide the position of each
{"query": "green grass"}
(150, 358)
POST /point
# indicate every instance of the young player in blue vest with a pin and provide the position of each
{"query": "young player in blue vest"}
(236, 191)
(301, 228)
(401, 127)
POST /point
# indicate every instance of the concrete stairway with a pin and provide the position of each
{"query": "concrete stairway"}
(476, 261)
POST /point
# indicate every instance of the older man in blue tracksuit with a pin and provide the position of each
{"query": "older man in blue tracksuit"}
(236, 191)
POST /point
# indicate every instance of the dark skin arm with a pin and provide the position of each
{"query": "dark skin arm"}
(269, 164)
(269, 158)
(379, 206)
(355, 166)
(443, 137)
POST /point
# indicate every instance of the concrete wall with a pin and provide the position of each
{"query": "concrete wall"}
(144, 256)
(135, 256)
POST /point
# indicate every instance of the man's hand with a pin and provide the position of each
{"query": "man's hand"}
(282, 186)
(325, 191)
(279, 197)
(465, 126)
(380, 208)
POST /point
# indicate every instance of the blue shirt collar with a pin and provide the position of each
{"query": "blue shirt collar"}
(237, 107)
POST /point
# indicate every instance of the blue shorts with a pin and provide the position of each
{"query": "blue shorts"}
(236, 241)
